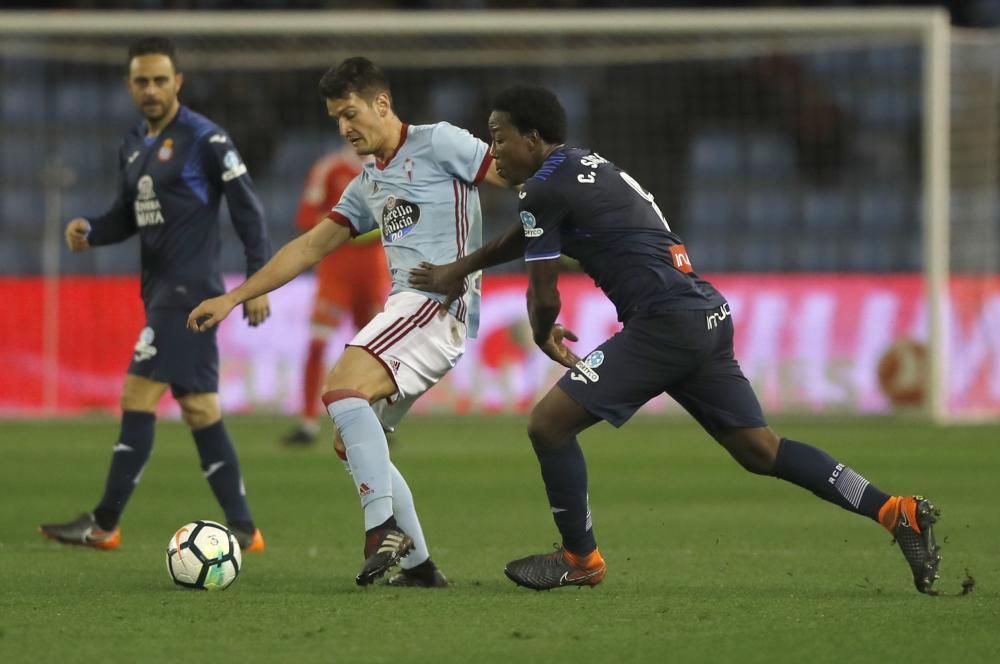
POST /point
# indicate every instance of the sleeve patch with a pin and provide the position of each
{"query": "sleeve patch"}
(234, 166)
(528, 222)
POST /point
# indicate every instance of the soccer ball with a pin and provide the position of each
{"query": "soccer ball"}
(204, 555)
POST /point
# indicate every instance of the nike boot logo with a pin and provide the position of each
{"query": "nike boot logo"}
(565, 578)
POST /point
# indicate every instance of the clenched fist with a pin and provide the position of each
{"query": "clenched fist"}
(76, 234)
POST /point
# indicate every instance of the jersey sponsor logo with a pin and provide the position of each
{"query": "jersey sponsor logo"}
(218, 138)
(587, 372)
(148, 211)
(528, 221)
(399, 216)
(713, 319)
(132, 157)
(234, 166)
(166, 150)
(679, 258)
(521, 194)
(144, 348)
(586, 368)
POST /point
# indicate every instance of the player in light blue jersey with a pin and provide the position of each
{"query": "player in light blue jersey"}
(421, 192)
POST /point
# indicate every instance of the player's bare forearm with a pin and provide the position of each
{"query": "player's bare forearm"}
(543, 309)
(292, 260)
(507, 247)
(450, 279)
(544, 303)
(542, 315)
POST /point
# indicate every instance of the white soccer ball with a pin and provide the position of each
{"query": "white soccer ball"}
(204, 555)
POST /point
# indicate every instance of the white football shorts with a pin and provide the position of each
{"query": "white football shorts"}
(416, 344)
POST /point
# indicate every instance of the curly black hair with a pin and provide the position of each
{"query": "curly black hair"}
(532, 107)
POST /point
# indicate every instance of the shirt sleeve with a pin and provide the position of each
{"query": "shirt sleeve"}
(460, 153)
(543, 213)
(118, 223)
(225, 166)
(352, 210)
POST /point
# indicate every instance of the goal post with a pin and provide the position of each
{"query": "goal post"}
(798, 150)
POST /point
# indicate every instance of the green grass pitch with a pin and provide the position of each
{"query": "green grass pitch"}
(706, 563)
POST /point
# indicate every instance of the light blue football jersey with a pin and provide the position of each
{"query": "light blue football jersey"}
(425, 201)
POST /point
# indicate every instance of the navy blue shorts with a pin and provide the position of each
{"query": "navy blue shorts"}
(168, 352)
(687, 354)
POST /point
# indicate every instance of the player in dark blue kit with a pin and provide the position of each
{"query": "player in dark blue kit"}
(677, 338)
(175, 167)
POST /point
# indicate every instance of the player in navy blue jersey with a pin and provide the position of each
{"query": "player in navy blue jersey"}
(677, 338)
(175, 167)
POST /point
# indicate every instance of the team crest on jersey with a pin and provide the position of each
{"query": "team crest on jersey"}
(528, 222)
(408, 167)
(399, 216)
(166, 150)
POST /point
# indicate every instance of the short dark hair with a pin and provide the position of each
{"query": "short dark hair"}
(358, 75)
(153, 46)
(531, 107)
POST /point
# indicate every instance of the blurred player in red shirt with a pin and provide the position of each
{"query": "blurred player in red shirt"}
(354, 282)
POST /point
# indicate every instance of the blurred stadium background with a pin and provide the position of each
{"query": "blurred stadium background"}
(835, 172)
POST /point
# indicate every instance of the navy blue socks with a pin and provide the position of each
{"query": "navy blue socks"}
(814, 469)
(129, 456)
(222, 470)
(564, 472)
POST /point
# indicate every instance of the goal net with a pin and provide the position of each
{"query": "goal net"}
(804, 156)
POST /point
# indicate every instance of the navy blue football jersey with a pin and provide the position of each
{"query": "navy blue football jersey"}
(170, 189)
(582, 205)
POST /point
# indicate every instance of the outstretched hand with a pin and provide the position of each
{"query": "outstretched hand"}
(557, 350)
(210, 313)
(447, 279)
